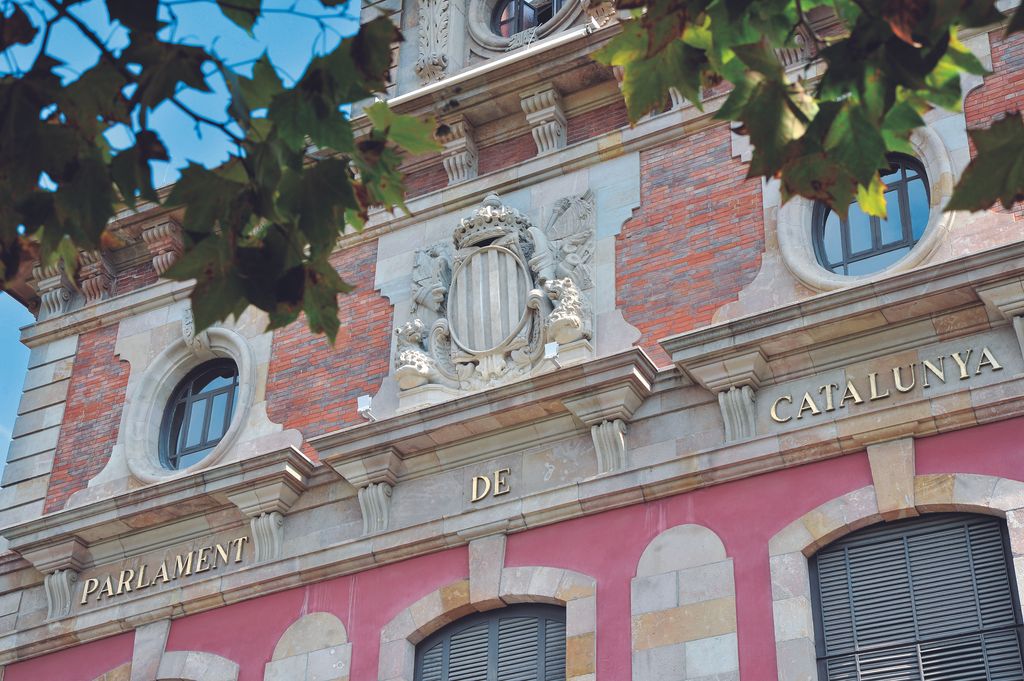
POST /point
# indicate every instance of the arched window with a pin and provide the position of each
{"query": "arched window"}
(926, 599)
(520, 642)
(198, 414)
(862, 244)
(513, 16)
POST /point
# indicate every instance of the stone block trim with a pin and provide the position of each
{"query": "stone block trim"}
(92, 416)
(312, 386)
(192, 665)
(122, 673)
(576, 591)
(695, 241)
(790, 548)
(683, 607)
(314, 648)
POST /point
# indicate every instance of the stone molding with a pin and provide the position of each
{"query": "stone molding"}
(544, 113)
(459, 156)
(573, 590)
(790, 548)
(683, 608)
(193, 665)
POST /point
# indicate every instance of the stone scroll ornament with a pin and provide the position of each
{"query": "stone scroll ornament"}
(433, 40)
(485, 303)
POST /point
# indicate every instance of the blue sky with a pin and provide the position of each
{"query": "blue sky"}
(289, 39)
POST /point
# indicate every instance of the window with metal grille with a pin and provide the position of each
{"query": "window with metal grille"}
(198, 414)
(928, 599)
(517, 643)
(863, 244)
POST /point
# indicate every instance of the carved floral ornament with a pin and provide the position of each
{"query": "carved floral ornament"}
(485, 303)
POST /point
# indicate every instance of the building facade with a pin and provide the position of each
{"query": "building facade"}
(600, 409)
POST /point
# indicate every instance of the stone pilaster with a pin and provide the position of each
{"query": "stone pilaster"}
(165, 244)
(460, 154)
(96, 276)
(544, 113)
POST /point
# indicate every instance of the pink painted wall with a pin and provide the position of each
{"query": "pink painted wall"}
(745, 514)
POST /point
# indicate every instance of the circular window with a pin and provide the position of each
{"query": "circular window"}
(514, 16)
(198, 414)
(864, 244)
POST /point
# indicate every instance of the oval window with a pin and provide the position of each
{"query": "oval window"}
(198, 414)
(863, 244)
(515, 16)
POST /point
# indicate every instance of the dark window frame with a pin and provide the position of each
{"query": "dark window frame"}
(542, 612)
(886, 531)
(171, 451)
(821, 214)
(516, 21)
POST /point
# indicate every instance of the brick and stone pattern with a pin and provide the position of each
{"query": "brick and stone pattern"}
(508, 152)
(91, 418)
(597, 122)
(37, 429)
(1003, 91)
(683, 607)
(134, 278)
(313, 386)
(314, 648)
(695, 241)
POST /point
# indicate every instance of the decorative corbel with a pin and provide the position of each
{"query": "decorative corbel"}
(375, 476)
(96, 276)
(736, 381)
(60, 562)
(460, 155)
(544, 113)
(607, 412)
(53, 289)
(165, 244)
(195, 341)
(1007, 298)
(266, 504)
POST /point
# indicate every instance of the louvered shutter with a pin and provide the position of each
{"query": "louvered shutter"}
(922, 600)
(519, 643)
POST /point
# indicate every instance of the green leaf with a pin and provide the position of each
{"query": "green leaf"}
(243, 12)
(413, 134)
(872, 197)
(646, 80)
(899, 122)
(370, 50)
(856, 143)
(135, 14)
(164, 66)
(86, 200)
(206, 195)
(130, 168)
(16, 29)
(997, 172)
(318, 198)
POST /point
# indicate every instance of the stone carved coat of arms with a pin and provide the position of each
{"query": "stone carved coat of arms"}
(485, 303)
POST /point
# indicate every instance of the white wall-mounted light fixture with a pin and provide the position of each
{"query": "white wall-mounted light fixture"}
(363, 407)
(551, 353)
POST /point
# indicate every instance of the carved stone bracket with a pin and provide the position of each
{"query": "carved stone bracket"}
(460, 155)
(96, 275)
(375, 476)
(736, 381)
(266, 504)
(165, 244)
(1007, 298)
(53, 289)
(267, 536)
(544, 113)
(607, 412)
(60, 562)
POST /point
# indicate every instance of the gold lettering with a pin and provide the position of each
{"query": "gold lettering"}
(238, 551)
(140, 582)
(182, 568)
(873, 380)
(987, 358)
(108, 589)
(850, 394)
(485, 480)
(897, 376)
(202, 565)
(962, 363)
(775, 409)
(826, 390)
(124, 581)
(501, 483)
(161, 573)
(939, 371)
(222, 553)
(807, 405)
(91, 585)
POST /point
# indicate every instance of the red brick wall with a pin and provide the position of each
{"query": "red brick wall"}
(92, 416)
(695, 241)
(426, 180)
(507, 153)
(1003, 91)
(135, 277)
(597, 122)
(313, 386)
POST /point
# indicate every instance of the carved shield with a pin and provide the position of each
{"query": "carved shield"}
(487, 299)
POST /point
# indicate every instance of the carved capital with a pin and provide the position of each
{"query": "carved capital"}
(544, 113)
(96, 276)
(165, 244)
(375, 504)
(739, 412)
(53, 290)
(59, 585)
(267, 536)
(460, 154)
(610, 444)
